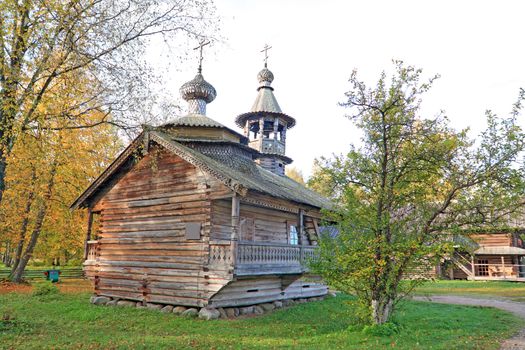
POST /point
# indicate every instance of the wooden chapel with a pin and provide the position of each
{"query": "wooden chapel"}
(193, 213)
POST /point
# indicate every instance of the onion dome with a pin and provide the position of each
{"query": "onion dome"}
(265, 78)
(265, 102)
(198, 92)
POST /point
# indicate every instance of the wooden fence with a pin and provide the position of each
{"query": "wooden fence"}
(68, 272)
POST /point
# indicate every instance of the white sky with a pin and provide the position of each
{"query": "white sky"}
(476, 46)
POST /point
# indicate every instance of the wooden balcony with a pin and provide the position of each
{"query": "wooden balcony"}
(262, 258)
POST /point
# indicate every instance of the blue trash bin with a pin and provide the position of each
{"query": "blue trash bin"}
(52, 275)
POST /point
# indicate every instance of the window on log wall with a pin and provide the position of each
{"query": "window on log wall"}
(293, 236)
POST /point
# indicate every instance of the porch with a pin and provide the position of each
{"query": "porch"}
(492, 264)
(250, 258)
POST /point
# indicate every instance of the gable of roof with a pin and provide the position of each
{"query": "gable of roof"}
(238, 179)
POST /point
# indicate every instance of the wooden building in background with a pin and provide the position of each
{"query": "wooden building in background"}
(492, 256)
(193, 213)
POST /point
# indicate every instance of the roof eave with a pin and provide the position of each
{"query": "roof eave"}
(240, 120)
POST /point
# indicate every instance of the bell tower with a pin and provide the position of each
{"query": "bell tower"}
(266, 125)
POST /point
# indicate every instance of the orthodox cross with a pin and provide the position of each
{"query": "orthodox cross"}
(265, 50)
(201, 45)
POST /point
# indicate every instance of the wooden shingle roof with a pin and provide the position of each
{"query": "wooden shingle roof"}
(237, 174)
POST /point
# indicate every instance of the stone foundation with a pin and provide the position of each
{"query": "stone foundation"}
(206, 313)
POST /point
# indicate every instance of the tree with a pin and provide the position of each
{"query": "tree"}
(42, 42)
(49, 165)
(295, 174)
(413, 182)
(47, 170)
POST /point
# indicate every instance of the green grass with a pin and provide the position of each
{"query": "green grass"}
(487, 289)
(68, 321)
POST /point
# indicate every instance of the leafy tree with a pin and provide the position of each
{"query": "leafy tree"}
(411, 183)
(47, 171)
(49, 165)
(45, 43)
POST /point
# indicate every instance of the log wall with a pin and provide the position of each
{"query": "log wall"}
(493, 240)
(144, 254)
(143, 251)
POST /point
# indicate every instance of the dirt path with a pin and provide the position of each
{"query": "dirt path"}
(515, 343)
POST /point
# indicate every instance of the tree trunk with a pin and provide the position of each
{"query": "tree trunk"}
(381, 310)
(6, 258)
(16, 276)
(25, 221)
(3, 165)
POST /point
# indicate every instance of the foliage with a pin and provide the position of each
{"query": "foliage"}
(48, 167)
(319, 325)
(412, 184)
(76, 64)
(383, 330)
(45, 289)
(295, 174)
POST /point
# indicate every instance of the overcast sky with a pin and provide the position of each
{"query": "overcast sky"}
(476, 46)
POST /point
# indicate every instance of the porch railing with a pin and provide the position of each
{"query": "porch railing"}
(273, 253)
(499, 270)
(262, 257)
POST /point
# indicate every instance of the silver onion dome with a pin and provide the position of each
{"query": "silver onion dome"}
(265, 77)
(198, 92)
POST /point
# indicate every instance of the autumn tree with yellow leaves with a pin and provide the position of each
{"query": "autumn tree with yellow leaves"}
(44, 43)
(71, 71)
(48, 166)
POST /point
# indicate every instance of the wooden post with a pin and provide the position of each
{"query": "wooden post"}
(236, 209)
(261, 128)
(247, 128)
(88, 232)
(503, 267)
(275, 128)
(300, 228)
(473, 267)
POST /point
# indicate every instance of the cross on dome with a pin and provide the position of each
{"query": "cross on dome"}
(198, 92)
(265, 50)
(202, 43)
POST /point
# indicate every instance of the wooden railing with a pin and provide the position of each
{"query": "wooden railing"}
(499, 271)
(261, 257)
(260, 253)
(91, 250)
(220, 254)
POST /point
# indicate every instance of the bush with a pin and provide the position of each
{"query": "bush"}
(45, 289)
(382, 330)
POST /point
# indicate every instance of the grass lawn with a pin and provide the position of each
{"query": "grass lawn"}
(68, 321)
(513, 290)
